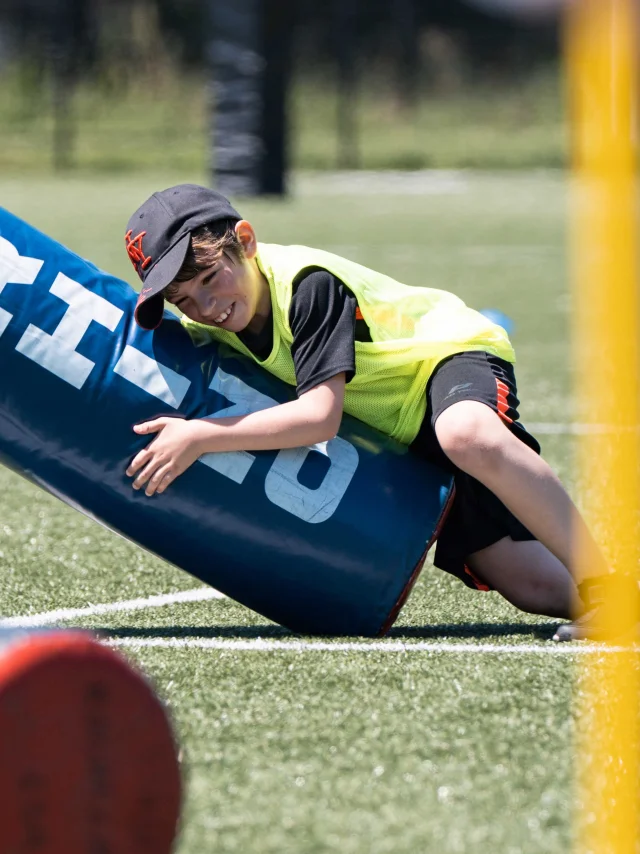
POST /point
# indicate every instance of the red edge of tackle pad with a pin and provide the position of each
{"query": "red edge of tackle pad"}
(87, 756)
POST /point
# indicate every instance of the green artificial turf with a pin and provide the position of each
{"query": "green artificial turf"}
(359, 752)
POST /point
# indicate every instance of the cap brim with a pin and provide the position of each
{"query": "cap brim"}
(150, 306)
(149, 311)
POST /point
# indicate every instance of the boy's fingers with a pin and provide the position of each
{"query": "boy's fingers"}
(145, 474)
(160, 481)
(150, 426)
(138, 461)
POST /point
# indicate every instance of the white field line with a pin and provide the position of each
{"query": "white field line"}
(200, 594)
(572, 428)
(394, 182)
(262, 645)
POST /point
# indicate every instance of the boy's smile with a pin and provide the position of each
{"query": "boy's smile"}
(232, 294)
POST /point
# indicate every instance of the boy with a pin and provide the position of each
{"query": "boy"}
(415, 363)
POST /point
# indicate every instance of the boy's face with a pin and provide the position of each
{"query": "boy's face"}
(231, 295)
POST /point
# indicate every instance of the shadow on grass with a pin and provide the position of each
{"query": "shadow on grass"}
(271, 632)
(473, 630)
(435, 632)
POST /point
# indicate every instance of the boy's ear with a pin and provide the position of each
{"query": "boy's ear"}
(247, 237)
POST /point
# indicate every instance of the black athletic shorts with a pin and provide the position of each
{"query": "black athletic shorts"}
(477, 518)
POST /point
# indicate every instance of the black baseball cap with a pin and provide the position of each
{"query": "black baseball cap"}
(158, 237)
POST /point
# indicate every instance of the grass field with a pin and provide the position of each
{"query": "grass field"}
(151, 124)
(461, 740)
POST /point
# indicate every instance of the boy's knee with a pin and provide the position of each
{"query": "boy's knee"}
(471, 435)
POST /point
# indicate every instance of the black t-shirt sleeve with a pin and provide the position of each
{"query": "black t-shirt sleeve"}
(322, 316)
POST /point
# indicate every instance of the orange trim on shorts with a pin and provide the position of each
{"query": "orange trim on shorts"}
(503, 406)
(480, 585)
(359, 313)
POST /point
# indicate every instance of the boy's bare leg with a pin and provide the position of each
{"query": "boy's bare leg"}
(527, 575)
(476, 440)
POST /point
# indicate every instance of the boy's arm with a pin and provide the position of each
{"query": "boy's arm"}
(323, 323)
(314, 417)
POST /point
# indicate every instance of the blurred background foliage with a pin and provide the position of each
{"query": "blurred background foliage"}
(124, 85)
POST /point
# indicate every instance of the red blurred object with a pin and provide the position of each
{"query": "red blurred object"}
(87, 757)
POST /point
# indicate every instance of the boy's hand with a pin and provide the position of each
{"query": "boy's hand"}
(174, 449)
(314, 417)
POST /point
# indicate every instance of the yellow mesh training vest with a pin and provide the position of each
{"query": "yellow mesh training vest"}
(412, 330)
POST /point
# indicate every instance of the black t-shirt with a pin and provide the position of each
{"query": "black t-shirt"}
(323, 316)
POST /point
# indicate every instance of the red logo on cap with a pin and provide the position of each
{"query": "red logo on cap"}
(135, 251)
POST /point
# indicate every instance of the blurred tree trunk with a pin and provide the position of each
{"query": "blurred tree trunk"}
(345, 16)
(67, 25)
(407, 60)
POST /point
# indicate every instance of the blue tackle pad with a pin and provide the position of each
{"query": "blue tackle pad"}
(324, 540)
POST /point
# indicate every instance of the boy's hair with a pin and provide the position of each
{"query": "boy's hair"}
(208, 243)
